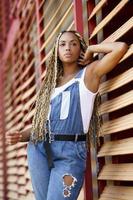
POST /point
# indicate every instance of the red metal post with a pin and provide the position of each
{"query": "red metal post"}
(78, 19)
(92, 22)
(40, 41)
(78, 16)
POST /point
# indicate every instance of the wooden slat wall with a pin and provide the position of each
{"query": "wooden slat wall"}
(40, 21)
(1, 152)
(1, 35)
(20, 85)
(115, 155)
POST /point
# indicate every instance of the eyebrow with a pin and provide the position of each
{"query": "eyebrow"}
(70, 40)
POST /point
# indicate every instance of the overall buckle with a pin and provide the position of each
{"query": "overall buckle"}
(76, 138)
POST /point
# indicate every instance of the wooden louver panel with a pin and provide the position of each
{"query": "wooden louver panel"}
(114, 104)
(116, 82)
(123, 172)
(117, 193)
(108, 17)
(119, 147)
(119, 124)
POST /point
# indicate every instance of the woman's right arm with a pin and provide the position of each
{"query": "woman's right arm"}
(13, 137)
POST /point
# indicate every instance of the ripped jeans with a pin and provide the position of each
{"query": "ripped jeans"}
(65, 180)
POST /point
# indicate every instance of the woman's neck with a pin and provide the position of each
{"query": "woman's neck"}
(70, 69)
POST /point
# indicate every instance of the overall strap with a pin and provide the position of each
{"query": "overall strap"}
(79, 74)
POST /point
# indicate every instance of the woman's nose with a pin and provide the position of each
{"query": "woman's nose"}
(67, 47)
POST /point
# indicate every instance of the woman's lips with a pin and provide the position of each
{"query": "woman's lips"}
(67, 55)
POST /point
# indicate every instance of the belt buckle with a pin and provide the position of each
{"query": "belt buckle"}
(76, 138)
(51, 137)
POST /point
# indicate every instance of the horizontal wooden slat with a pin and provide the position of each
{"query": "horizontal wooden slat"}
(27, 175)
(22, 180)
(17, 91)
(29, 115)
(12, 195)
(21, 171)
(13, 187)
(21, 161)
(29, 103)
(97, 8)
(108, 17)
(53, 18)
(120, 31)
(12, 170)
(12, 162)
(128, 53)
(18, 117)
(8, 110)
(28, 92)
(117, 103)
(31, 64)
(8, 103)
(30, 196)
(28, 186)
(11, 154)
(121, 172)
(12, 178)
(26, 83)
(117, 193)
(116, 82)
(118, 147)
(21, 152)
(119, 124)
(57, 27)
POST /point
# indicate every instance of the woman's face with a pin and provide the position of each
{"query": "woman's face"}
(69, 48)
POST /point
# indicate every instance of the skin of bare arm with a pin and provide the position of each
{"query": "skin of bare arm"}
(113, 53)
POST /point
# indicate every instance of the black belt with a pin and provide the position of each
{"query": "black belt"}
(59, 137)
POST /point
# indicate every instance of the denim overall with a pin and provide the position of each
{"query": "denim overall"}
(69, 157)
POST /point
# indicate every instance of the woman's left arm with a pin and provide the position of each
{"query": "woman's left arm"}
(113, 53)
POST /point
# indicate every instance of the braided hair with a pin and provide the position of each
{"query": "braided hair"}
(54, 70)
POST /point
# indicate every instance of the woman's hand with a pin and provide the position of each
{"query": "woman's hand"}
(13, 137)
(85, 58)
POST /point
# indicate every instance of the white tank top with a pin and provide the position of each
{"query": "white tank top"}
(86, 99)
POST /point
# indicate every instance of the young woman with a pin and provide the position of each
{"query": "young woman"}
(57, 142)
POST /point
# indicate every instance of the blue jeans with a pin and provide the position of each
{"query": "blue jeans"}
(69, 160)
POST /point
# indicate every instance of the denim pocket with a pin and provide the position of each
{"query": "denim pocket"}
(81, 150)
(65, 104)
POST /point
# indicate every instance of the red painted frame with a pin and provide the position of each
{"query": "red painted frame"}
(78, 16)
(40, 39)
(78, 19)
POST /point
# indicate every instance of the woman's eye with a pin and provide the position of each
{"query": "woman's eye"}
(74, 44)
(63, 44)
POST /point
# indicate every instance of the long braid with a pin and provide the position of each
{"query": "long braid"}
(43, 98)
(53, 71)
(95, 126)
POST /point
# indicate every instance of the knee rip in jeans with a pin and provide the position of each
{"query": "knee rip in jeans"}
(69, 181)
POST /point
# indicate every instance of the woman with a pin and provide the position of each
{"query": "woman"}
(57, 148)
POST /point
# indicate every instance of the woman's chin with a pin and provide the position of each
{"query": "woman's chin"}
(69, 60)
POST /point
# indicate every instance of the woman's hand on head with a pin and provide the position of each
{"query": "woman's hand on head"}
(13, 137)
(85, 58)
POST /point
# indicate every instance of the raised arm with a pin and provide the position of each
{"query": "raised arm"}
(113, 53)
